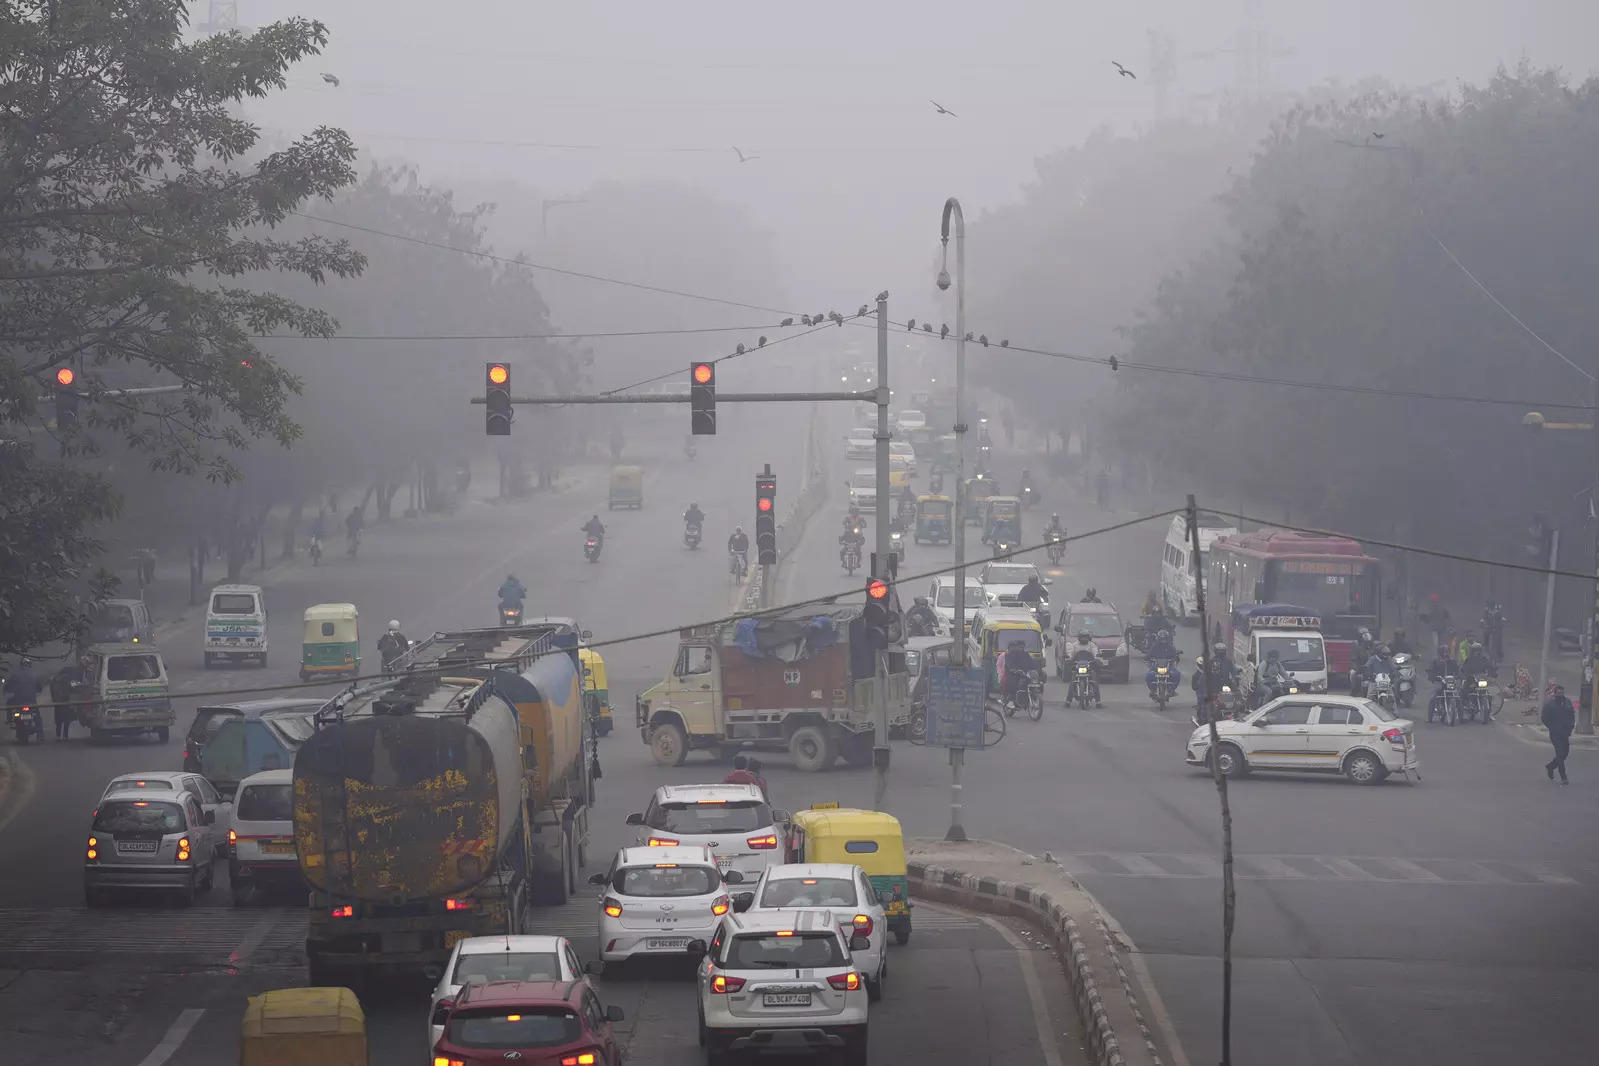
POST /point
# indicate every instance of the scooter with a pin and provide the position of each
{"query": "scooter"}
(896, 543)
(1404, 678)
(1380, 690)
(691, 535)
(1003, 547)
(591, 548)
(27, 722)
(510, 614)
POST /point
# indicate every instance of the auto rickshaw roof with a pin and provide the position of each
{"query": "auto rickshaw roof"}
(303, 1010)
(1004, 499)
(933, 497)
(321, 612)
(848, 820)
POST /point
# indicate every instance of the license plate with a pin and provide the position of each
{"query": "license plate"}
(724, 861)
(137, 845)
(786, 999)
(454, 936)
(277, 849)
(666, 943)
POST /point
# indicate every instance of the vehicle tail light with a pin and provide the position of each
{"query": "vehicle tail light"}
(346, 911)
(582, 1058)
(662, 842)
(459, 904)
(1394, 736)
(441, 1011)
(863, 925)
(845, 982)
(94, 848)
(233, 838)
(719, 905)
(613, 907)
(765, 843)
(445, 1060)
(183, 849)
(722, 984)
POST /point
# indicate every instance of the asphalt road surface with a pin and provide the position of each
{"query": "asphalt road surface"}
(1452, 920)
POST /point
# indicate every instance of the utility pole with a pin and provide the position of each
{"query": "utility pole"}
(1585, 714)
(883, 563)
(1548, 611)
(957, 756)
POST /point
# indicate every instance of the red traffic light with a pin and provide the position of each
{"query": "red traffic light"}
(763, 504)
(703, 373)
(498, 374)
(877, 589)
(66, 376)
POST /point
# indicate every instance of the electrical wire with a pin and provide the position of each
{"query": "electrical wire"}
(520, 336)
(735, 354)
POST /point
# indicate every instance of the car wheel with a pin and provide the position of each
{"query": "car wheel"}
(874, 988)
(1230, 761)
(811, 749)
(1363, 768)
(210, 878)
(668, 744)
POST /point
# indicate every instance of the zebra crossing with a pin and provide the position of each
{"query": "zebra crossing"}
(1291, 867)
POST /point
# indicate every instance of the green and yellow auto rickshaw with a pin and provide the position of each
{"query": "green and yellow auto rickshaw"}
(933, 519)
(330, 643)
(868, 839)
(627, 487)
(978, 490)
(596, 691)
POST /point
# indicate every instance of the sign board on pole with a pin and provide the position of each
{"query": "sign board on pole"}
(957, 700)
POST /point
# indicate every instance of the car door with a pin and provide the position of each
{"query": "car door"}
(199, 809)
(213, 802)
(1280, 737)
(1332, 731)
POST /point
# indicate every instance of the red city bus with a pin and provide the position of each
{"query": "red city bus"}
(1330, 575)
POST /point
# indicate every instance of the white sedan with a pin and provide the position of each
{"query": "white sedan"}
(1314, 732)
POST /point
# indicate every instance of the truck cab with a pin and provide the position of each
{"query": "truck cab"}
(1294, 633)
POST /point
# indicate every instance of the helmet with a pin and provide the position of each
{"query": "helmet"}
(738, 529)
(1083, 637)
(394, 625)
(1199, 660)
(1383, 649)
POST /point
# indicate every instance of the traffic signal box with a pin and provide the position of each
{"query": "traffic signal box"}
(766, 519)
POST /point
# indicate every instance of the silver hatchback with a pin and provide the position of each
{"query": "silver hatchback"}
(145, 841)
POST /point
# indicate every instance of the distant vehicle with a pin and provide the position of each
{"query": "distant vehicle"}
(860, 444)
(1177, 593)
(236, 624)
(128, 692)
(862, 486)
(911, 420)
(1004, 581)
(171, 783)
(484, 959)
(941, 594)
(1104, 628)
(121, 622)
(1324, 734)
(260, 846)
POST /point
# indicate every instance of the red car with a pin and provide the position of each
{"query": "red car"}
(530, 1023)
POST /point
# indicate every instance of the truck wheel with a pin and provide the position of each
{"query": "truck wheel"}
(668, 744)
(811, 749)
(549, 889)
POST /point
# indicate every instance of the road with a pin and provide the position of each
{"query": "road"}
(144, 985)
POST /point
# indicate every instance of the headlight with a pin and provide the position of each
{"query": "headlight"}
(1160, 669)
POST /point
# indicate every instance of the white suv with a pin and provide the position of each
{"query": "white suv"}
(734, 821)
(863, 490)
(659, 900)
(839, 888)
(781, 981)
(1356, 737)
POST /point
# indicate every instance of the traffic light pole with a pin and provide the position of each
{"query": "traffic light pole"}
(884, 564)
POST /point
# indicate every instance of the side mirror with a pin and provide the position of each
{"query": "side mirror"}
(698, 947)
(859, 943)
(210, 817)
(1259, 723)
(594, 968)
(743, 902)
(635, 819)
(597, 879)
(1049, 581)
(587, 634)
(732, 877)
(613, 1013)
(782, 816)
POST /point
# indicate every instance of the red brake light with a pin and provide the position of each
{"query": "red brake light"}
(722, 984)
(1394, 736)
(346, 911)
(863, 925)
(765, 843)
(582, 1058)
(662, 842)
(720, 905)
(845, 982)
(613, 907)
(459, 904)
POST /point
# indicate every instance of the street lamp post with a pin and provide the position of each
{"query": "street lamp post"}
(952, 208)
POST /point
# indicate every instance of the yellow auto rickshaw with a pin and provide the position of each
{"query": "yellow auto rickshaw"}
(868, 839)
(330, 643)
(292, 1026)
(596, 691)
(978, 490)
(627, 487)
(990, 635)
(933, 514)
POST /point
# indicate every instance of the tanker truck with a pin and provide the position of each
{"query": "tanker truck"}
(443, 803)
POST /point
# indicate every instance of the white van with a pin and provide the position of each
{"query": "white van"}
(1177, 593)
(261, 851)
(236, 624)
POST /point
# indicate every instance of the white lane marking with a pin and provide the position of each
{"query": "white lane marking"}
(1548, 874)
(1345, 869)
(1146, 984)
(174, 1038)
(252, 940)
(1267, 866)
(1025, 959)
(1139, 866)
(1414, 871)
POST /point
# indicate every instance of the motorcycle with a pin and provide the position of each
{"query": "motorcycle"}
(1264, 694)
(1404, 678)
(1029, 497)
(316, 551)
(1162, 680)
(896, 543)
(1445, 703)
(591, 547)
(850, 556)
(1478, 702)
(691, 535)
(27, 722)
(1380, 690)
(1029, 698)
(510, 614)
(1056, 548)
(1003, 547)
(1084, 688)
(1041, 613)
(738, 564)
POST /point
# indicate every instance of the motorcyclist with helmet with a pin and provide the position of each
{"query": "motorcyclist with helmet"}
(1017, 664)
(1477, 667)
(22, 690)
(1083, 652)
(921, 620)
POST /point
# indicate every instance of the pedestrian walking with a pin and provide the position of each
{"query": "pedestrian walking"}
(61, 698)
(1559, 717)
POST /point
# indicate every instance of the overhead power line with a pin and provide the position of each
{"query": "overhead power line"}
(522, 336)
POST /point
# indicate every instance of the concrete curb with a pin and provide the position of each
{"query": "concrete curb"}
(1100, 1005)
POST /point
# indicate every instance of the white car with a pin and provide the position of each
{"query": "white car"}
(261, 847)
(861, 443)
(657, 900)
(863, 490)
(784, 981)
(1004, 581)
(901, 450)
(167, 784)
(482, 959)
(909, 420)
(839, 888)
(734, 821)
(942, 596)
(1313, 732)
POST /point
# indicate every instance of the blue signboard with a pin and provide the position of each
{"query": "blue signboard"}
(956, 702)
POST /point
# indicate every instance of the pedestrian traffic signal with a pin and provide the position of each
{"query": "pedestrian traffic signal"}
(766, 519)
(880, 618)
(702, 399)
(497, 400)
(66, 397)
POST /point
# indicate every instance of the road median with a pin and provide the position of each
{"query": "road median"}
(986, 876)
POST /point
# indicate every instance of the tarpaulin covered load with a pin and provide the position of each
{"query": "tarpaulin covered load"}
(794, 635)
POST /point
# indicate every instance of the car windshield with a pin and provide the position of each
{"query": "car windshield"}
(296, 727)
(666, 880)
(265, 803)
(1296, 653)
(1096, 625)
(768, 951)
(114, 616)
(912, 416)
(1008, 575)
(515, 1027)
(809, 892)
(1377, 710)
(865, 481)
(132, 668)
(138, 816)
(726, 816)
(507, 966)
(233, 603)
(138, 784)
(946, 595)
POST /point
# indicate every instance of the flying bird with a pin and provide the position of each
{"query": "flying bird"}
(742, 158)
(942, 110)
(1377, 135)
(1123, 71)
(330, 79)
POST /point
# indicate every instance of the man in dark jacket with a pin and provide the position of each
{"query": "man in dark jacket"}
(61, 692)
(1559, 717)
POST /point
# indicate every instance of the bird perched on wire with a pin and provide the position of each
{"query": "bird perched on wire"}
(910, 325)
(942, 110)
(739, 350)
(1004, 344)
(761, 343)
(330, 79)
(834, 316)
(786, 322)
(943, 332)
(927, 327)
(1123, 71)
(742, 158)
(862, 312)
(968, 336)
(983, 340)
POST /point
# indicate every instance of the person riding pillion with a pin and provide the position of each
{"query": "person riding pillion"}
(1017, 664)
